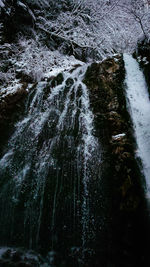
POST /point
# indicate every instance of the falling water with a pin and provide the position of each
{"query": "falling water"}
(139, 107)
(48, 166)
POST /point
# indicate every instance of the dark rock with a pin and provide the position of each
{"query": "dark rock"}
(16, 16)
(7, 254)
(16, 256)
(24, 77)
(8, 101)
(114, 129)
(69, 82)
(11, 106)
(57, 80)
(75, 67)
(24, 264)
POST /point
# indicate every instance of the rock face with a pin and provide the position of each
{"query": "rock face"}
(121, 191)
(15, 16)
(11, 106)
(108, 100)
(120, 168)
(18, 257)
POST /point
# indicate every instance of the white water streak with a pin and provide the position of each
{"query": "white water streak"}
(139, 107)
(25, 141)
(90, 151)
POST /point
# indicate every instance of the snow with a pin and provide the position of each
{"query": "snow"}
(12, 89)
(139, 107)
(144, 59)
(40, 62)
(67, 65)
(118, 136)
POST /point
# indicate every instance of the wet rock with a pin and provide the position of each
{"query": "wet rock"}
(111, 68)
(9, 100)
(105, 82)
(119, 166)
(51, 257)
(75, 67)
(24, 77)
(6, 254)
(113, 105)
(23, 264)
(69, 82)
(57, 80)
(126, 186)
(15, 257)
(16, 16)
(131, 203)
(11, 106)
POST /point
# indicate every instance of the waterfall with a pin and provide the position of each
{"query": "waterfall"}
(139, 108)
(47, 168)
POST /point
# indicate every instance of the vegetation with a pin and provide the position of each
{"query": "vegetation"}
(46, 30)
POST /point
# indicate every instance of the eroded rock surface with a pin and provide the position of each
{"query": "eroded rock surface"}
(120, 168)
(11, 106)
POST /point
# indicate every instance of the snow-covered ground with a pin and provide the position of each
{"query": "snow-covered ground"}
(33, 60)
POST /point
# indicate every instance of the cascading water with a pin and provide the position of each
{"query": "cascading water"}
(139, 108)
(48, 166)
